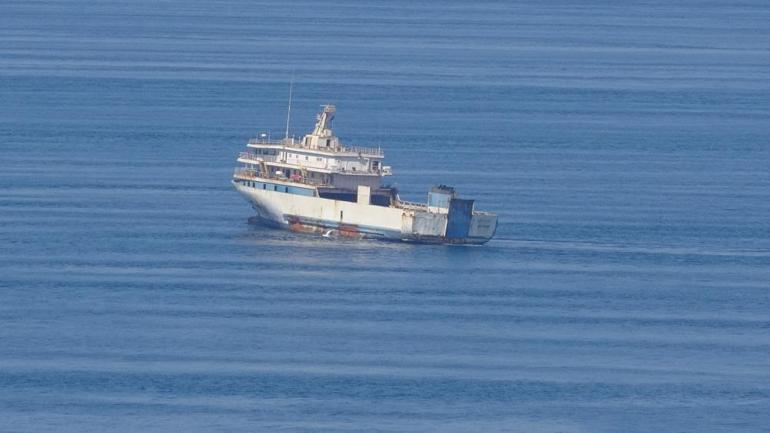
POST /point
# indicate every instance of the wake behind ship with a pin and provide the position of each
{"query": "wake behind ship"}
(317, 184)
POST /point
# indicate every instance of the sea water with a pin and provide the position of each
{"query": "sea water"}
(624, 147)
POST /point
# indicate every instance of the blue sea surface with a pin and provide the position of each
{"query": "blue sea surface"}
(625, 147)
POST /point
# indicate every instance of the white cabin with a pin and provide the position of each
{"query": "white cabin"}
(319, 158)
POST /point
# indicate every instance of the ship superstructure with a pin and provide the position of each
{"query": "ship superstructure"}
(317, 184)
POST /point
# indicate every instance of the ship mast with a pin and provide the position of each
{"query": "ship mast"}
(288, 112)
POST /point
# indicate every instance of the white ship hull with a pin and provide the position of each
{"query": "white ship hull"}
(314, 214)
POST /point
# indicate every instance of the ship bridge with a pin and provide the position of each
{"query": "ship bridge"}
(319, 157)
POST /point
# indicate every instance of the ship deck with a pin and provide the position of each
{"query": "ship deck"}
(250, 174)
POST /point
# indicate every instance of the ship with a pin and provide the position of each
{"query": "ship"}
(318, 185)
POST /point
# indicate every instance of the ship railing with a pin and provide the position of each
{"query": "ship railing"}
(267, 141)
(364, 150)
(412, 204)
(246, 172)
(256, 174)
(343, 170)
(300, 144)
(257, 158)
(272, 158)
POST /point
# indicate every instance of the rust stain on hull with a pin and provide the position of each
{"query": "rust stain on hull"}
(349, 231)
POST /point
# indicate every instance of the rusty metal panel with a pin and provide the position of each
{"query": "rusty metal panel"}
(483, 225)
(407, 221)
(429, 224)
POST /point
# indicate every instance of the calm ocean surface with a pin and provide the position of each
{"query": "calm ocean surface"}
(626, 149)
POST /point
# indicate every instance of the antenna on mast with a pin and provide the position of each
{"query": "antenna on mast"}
(288, 113)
